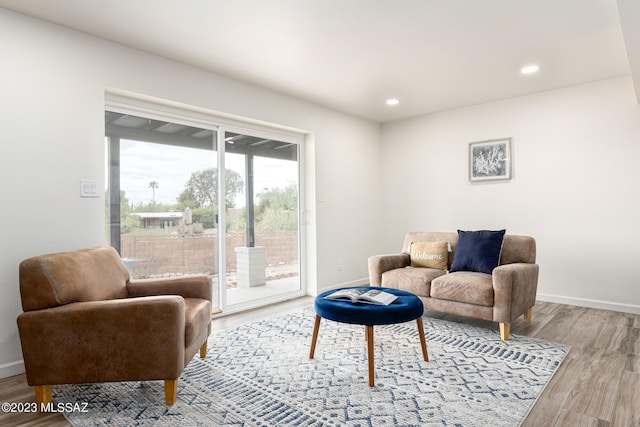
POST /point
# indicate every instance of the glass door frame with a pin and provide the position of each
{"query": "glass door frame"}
(141, 105)
(113, 160)
(225, 307)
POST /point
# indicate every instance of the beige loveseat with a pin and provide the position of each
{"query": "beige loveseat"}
(503, 296)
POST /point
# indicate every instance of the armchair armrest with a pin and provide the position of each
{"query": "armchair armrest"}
(185, 286)
(378, 264)
(114, 340)
(515, 287)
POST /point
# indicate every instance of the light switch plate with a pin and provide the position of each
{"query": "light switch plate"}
(89, 188)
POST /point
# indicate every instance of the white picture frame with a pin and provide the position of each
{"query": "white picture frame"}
(490, 160)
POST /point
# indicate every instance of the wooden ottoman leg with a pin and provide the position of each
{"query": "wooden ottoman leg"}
(423, 343)
(314, 336)
(370, 354)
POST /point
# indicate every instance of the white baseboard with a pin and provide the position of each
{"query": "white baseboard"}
(358, 282)
(12, 368)
(591, 303)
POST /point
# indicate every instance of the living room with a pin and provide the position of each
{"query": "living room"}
(368, 182)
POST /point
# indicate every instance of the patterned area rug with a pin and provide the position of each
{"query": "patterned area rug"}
(260, 375)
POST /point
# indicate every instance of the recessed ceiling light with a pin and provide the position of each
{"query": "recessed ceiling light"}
(530, 69)
(392, 101)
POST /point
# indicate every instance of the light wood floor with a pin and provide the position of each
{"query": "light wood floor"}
(598, 384)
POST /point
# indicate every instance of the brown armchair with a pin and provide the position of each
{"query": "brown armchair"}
(85, 321)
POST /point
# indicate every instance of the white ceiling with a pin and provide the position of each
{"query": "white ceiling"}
(351, 55)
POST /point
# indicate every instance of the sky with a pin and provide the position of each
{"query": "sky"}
(172, 166)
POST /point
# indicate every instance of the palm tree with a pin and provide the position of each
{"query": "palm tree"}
(153, 185)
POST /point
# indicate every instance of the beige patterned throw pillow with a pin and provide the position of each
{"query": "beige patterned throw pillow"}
(429, 255)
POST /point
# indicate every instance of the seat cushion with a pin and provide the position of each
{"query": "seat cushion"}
(464, 286)
(412, 279)
(197, 313)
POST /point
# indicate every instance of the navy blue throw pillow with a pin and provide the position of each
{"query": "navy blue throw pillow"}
(477, 251)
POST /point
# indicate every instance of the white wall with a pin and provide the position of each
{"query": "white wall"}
(52, 84)
(575, 184)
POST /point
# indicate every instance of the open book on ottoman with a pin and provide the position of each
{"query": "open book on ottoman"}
(363, 295)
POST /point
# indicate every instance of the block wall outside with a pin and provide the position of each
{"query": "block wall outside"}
(172, 255)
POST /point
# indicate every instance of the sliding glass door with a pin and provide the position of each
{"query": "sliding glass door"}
(161, 198)
(262, 190)
(201, 199)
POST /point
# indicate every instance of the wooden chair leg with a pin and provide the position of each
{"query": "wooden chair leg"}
(504, 331)
(43, 395)
(423, 343)
(527, 315)
(203, 350)
(370, 355)
(170, 391)
(314, 337)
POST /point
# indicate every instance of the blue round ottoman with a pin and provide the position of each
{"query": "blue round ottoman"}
(404, 308)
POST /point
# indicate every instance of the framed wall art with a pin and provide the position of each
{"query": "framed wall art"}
(490, 160)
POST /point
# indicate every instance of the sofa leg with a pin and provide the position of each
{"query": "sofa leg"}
(170, 391)
(504, 331)
(43, 395)
(203, 350)
(527, 315)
